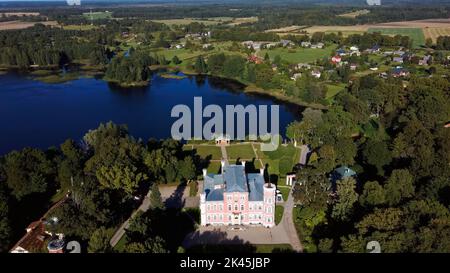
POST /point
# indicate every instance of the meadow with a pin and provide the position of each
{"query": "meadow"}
(415, 33)
(298, 55)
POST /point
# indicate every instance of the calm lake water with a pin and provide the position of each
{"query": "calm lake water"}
(41, 115)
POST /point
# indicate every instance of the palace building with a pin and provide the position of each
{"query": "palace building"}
(235, 197)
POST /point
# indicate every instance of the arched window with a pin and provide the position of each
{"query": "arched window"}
(242, 207)
(229, 207)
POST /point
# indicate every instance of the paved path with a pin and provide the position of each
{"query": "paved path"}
(121, 231)
(304, 154)
(224, 153)
(288, 224)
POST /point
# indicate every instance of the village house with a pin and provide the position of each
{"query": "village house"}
(341, 52)
(399, 72)
(397, 60)
(336, 59)
(373, 50)
(254, 45)
(318, 45)
(207, 46)
(255, 59)
(316, 73)
(296, 76)
(235, 197)
(353, 67)
(38, 236)
(286, 43)
(305, 44)
(425, 60)
(303, 66)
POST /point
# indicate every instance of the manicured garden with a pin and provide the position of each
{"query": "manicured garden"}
(278, 214)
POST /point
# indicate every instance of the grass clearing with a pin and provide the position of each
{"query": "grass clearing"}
(414, 33)
(299, 55)
(334, 89)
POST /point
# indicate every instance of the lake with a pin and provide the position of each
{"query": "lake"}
(37, 114)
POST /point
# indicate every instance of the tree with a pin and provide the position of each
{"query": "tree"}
(155, 197)
(429, 42)
(175, 60)
(200, 65)
(399, 186)
(5, 229)
(373, 194)
(313, 189)
(28, 171)
(99, 241)
(346, 198)
(186, 168)
(376, 153)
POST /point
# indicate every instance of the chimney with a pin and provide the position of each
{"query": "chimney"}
(204, 172)
(261, 171)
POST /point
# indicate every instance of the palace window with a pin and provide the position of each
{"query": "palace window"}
(229, 207)
(242, 207)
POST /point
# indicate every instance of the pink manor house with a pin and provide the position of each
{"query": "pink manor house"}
(235, 197)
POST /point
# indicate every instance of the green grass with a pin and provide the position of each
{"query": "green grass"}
(334, 89)
(415, 33)
(97, 15)
(242, 151)
(121, 244)
(298, 55)
(284, 190)
(281, 160)
(214, 167)
(266, 248)
(205, 151)
(278, 214)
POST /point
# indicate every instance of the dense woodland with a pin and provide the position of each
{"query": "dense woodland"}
(400, 196)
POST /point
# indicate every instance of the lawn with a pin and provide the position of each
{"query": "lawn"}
(205, 151)
(214, 167)
(281, 160)
(278, 214)
(334, 89)
(242, 151)
(121, 244)
(284, 190)
(415, 33)
(298, 55)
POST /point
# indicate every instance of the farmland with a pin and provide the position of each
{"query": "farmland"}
(21, 25)
(208, 21)
(299, 55)
(415, 33)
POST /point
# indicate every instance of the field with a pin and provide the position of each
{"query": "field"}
(434, 33)
(285, 29)
(415, 33)
(298, 55)
(432, 28)
(97, 15)
(354, 14)
(208, 21)
(19, 14)
(21, 25)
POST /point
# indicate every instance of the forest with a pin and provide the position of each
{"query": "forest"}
(103, 173)
(396, 142)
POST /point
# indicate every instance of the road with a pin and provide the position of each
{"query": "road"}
(287, 222)
(121, 231)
